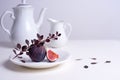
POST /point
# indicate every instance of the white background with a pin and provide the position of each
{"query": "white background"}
(91, 19)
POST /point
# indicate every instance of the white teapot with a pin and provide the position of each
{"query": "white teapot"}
(24, 26)
(61, 27)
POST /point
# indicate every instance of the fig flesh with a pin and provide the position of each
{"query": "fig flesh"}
(52, 56)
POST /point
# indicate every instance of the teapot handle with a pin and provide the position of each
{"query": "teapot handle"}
(68, 26)
(2, 18)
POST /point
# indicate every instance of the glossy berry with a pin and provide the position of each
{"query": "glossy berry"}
(24, 48)
(85, 66)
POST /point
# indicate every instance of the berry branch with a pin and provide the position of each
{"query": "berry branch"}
(40, 41)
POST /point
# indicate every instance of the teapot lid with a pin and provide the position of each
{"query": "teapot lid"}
(24, 4)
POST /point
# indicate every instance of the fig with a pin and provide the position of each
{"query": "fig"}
(36, 49)
(37, 53)
(52, 56)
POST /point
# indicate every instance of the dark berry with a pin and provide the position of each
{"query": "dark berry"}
(20, 53)
(85, 66)
(49, 34)
(56, 38)
(53, 35)
(32, 41)
(93, 58)
(18, 46)
(41, 37)
(47, 40)
(36, 42)
(59, 34)
(24, 48)
(38, 35)
(22, 61)
(107, 61)
(27, 42)
(93, 62)
(78, 59)
(14, 51)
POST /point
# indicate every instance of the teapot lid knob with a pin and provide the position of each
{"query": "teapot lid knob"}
(24, 4)
(23, 1)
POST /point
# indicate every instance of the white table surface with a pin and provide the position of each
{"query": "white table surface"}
(73, 70)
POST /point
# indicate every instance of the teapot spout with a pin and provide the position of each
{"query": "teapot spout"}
(52, 20)
(41, 17)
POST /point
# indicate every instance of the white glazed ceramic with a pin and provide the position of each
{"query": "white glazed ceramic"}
(61, 27)
(63, 58)
(24, 26)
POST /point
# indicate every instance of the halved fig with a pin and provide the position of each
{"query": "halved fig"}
(52, 56)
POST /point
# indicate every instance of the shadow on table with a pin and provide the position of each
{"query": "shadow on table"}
(6, 44)
(12, 67)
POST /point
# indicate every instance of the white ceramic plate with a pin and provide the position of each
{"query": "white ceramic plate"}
(63, 58)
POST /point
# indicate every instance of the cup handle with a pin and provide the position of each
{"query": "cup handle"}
(2, 18)
(69, 27)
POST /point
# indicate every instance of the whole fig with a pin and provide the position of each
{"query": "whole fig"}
(37, 53)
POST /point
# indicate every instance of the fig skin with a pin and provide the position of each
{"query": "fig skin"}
(37, 53)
